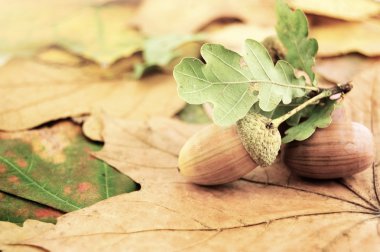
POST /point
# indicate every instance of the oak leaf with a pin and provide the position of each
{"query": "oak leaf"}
(270, 208)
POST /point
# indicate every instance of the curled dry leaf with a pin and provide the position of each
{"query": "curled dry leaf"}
(60, 91)
(270, 208)
(350, 10)
(345, 37)
(191, 16)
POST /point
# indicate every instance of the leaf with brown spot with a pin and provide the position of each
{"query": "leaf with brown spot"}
(54, 167)
(270, 208)
(39, 92)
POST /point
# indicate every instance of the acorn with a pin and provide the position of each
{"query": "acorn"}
(217, 155)
(342, 149)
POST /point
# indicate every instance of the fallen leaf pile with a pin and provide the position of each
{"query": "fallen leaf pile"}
(68, 84)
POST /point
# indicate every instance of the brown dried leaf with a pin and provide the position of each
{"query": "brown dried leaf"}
(189, 16)
(37, 93)
(343, 37)
(350, 10)
(341, 69)
(11, 233)
(269, 209)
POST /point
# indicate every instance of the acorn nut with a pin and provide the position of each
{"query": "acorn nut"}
(217, 155)
(342, 149)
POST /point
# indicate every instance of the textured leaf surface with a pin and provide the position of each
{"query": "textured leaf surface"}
(53, 166)
(292, 29)
(78, 90)
(233, 83)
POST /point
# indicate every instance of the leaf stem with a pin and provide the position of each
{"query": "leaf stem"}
(342, 89)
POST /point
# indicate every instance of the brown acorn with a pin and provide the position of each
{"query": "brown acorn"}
(342, 149)
(217, 155)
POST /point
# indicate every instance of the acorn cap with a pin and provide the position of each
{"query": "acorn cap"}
(261, 140)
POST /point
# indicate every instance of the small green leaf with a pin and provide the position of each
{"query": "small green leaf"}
(292, 30)
(233, 83)
(159, 52)
(319, 117)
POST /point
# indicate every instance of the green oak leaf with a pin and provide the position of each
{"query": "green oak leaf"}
(54, 167)
(319, 117)
(292, 30)
(234, 83)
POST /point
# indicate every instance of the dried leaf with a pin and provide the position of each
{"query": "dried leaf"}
(350, 10)
(153, 146)
(11, 233)
(190, 17)
(343, 38)
(100, 33)
(60, 91)
(341, 69)
(269, 207)
(234, 35)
